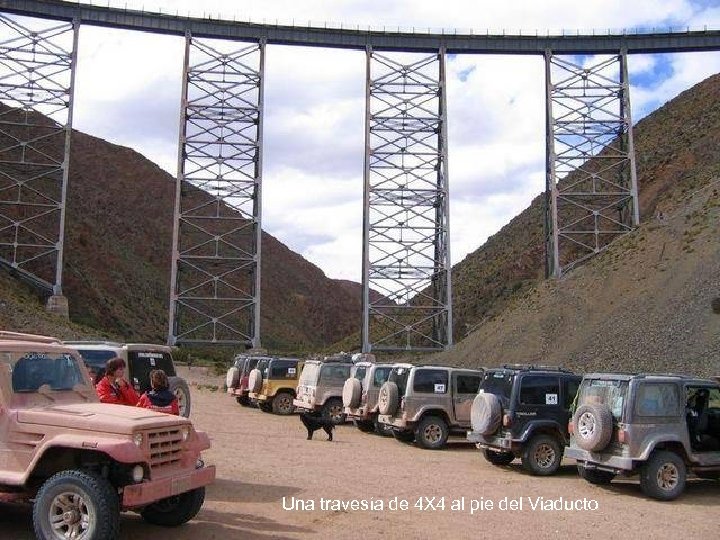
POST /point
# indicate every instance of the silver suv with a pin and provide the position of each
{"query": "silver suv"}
(320, 387)
(659, 426)
(141, 359)
(361, 392)
(428, 403)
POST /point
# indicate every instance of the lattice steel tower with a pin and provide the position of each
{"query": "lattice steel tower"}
(37, 74)
(406, 249)
(591, 192)
(215, 281)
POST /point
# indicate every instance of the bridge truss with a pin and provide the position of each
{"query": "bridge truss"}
(37, 74)
(406, 249)
(215, 279)
(591, 178)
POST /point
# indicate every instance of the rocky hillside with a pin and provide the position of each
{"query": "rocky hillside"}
(117, 263)
(646, 303)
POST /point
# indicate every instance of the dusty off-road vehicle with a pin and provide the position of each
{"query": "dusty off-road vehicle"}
(273, 382)
(427, 404)
(361, 391)
(83, 462)
(320, 387)
(238, 377)
(660, 426)
(523, 411)
(141, 359)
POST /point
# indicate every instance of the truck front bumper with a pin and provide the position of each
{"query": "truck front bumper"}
(151, 491)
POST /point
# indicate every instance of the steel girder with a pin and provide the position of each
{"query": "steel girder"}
(406, 249)
(215, 280)
(591, 191)
(37, 75)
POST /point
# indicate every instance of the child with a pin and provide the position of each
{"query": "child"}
(160, 398)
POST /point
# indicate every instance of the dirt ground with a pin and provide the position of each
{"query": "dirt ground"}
(264, 462)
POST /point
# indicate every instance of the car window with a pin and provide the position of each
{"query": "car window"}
(611, 393)
(381, 375)
(283, 369)
(500, 383)
(430, 381)
(657, 399)
(714, 401)
(571, 389)
(331, 374)
(468, 384)
(360, 372)
(540, 390)
(141, 363)
(399, 376)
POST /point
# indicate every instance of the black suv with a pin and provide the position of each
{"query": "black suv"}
(523, 411)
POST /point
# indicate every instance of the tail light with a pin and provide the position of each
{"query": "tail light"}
(622, 436)
(571, 427)
(402, 403)
(507, 420)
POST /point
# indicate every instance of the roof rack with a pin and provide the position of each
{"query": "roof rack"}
(19, 336)
(535, 367)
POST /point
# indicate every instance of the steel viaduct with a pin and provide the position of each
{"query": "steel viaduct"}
(591, 183)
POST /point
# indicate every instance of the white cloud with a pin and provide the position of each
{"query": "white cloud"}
(128, 91)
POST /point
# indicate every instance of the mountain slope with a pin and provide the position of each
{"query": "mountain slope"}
(643, 304)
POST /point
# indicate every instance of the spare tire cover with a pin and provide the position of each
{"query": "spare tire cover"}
(255, 380)
(486, 413)
(352, 389)
(233, 375)
(388, 399)
(592, 426)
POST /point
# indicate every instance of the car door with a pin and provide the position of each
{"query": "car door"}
(465, 386)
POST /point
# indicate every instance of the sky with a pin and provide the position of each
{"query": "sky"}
(128, 92)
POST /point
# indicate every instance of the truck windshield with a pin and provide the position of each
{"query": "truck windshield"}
(56, 371)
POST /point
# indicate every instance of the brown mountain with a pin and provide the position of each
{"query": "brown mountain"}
(117, 261)
(645, 303)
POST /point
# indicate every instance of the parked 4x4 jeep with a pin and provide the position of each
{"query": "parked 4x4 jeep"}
(141, 359)
(523, 411)
(428, 403)
(82, 461)
(273, 382)
(238, 377)
(321, 386)
(660, 426)
(361, 391)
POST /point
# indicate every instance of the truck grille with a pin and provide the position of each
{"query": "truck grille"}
(165, 447)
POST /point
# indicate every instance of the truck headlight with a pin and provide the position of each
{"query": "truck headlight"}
(138, 473)
(138, 439)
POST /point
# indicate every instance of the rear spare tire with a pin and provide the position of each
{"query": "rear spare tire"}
(352, 390)
(255, 380)
(486, 413)
(593, 426)
(388, 399)
(180, 388)
(232, 377)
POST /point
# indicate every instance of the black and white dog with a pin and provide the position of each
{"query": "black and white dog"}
(313, 423)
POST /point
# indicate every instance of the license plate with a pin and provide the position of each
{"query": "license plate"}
(181, 485)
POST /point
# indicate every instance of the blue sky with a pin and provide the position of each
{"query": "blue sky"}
(128, 92)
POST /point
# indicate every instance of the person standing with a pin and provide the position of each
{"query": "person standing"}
(113, 388)
(160, 398)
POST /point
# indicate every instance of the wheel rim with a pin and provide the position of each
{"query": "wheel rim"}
(182, 400)
(432, 433)
(545, 455)
(284, 404)
(336, 412)
(667, 476)
(586, 425)
(70, 516)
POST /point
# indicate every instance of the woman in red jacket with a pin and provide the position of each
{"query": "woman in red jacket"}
(113, 388)
(160, 398)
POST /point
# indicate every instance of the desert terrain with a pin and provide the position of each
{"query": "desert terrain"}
(264, 464)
